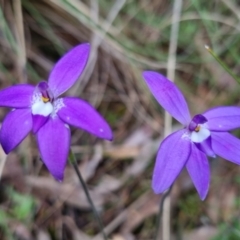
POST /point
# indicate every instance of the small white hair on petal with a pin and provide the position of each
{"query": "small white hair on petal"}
(58, 104)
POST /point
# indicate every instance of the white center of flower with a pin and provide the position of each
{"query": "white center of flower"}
(42, 108)
(200, 134)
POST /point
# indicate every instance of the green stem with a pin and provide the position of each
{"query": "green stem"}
(224, 66)
(159, 217)
(73, 161)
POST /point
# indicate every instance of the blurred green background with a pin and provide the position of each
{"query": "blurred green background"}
(127, 37)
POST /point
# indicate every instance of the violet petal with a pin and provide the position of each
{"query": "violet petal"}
(15, 127)
(17, 96)
(198, 169)
(81, 114)
(226, 146)
(54, 143)
(38, 122)
(45, 91)
(68, 69)
(168, 95)
(171, 158)
(223, 118)
(206, 147)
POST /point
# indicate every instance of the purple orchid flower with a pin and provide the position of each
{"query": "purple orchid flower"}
(41, 110)
(203, 135)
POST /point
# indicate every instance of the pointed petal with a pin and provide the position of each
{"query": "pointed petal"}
(54, 142)
(206, 147)
(81, 114)
(15, 127)
(38, 122)
(17, 96)
(68, 69)
(168, 95)
(198, 169)
(223, 118)
(171, 158)
(226, 146)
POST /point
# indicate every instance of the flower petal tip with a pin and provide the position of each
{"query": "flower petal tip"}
(86, 47)
(203, 197)
(109, 136)
(151, 74)
(59, 179)
(147, 75)
(105, 136)
(156, 188)
(58, 175)
(5, 148)
(4, 145)
(144, 74)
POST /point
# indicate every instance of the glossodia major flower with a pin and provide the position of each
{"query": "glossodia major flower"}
(41, 110)
(203, 135)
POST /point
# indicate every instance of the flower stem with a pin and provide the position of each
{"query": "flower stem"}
(159, 217)
(224, 66)
(73, 161)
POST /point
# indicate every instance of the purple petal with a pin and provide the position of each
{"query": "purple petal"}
(17, 96)
(172, 156)
(16, 126)
(226, 145)
(67, 70)
(168, 95)
(54, 142)
(223, 118)
(206, 147)
(197, 119)
(81, 114)
(38, 122)
(198, 169)
(45, 91)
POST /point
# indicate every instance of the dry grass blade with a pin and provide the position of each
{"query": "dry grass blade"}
(177, 7)
(21, 40)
